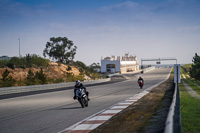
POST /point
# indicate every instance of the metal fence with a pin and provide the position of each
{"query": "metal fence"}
(173, 122)
(20, 89)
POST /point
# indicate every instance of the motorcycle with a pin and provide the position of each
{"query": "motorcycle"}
(82, 97)
(140, 82)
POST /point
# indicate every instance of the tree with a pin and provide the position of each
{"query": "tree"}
(195, 70)
(61, 49)
(30, 79)
(80, 64)
(38, 78)
(41, 77)
(7, 80)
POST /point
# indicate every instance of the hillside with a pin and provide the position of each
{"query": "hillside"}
(53, 71)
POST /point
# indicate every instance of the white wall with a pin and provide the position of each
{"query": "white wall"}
(105, 62)
(128, 62)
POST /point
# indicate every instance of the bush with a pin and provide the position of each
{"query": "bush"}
(10, 65)
(88, 70)
(41, 77)
(30, 79)
(195, 69)
(27, 61)
(3, 63)
(32, 60)
(7, 80)
(17, 62)
(37, 78)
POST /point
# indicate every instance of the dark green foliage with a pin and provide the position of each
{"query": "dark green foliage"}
(61, 49)
(69, 68)
(30, 79)
(68, 73)
(195, 69)
(37, 78)
(81, 71)
(35, 61)
(7, 80)
(88, 70)
(18, 62)
(41, 77)
(3, 63)
(10, 65)
(27, 61)
(80, 64)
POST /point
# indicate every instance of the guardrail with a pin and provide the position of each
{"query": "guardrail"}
(20, 89)
(173, 122)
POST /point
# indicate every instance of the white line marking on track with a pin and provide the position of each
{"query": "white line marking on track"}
(86, 126)
(100, 118)
(119, 107)
(111, 111)
(125, 103)
(131, 100)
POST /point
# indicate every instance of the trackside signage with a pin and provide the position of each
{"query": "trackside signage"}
(177, 73)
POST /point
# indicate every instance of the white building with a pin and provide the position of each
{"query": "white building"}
(119, 64)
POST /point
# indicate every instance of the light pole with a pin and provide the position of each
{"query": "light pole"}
(19, 47)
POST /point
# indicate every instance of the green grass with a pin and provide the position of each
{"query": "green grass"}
(186, 69)
(190, 112)
(187, 66)
(192, 84)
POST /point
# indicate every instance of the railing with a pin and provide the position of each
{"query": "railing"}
(20, 89)
(173, 122)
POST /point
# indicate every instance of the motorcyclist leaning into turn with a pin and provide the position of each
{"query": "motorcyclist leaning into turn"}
(79, 85)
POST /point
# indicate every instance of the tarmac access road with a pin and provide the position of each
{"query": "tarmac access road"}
(54, 111)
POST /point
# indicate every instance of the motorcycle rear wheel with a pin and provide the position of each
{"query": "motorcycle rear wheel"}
(81, 102)
(86, 101)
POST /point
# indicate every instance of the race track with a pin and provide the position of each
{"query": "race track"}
(54, 111)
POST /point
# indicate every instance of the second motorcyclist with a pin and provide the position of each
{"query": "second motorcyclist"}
(139, 80)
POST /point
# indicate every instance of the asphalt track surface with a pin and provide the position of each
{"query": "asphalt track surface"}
(51, 112)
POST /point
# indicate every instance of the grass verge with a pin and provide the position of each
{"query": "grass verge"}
(192, 84)
(190, 112)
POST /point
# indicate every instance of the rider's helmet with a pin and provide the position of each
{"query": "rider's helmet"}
(78, 82)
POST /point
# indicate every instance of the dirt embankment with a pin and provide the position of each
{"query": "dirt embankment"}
(53, 71)
(146, 115)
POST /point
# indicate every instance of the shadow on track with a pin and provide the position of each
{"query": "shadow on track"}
(67, 108)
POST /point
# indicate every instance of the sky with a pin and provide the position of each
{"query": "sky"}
(101, 28)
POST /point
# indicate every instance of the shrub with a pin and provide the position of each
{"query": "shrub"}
(41, 77)
(37, 78)
(7, 80)
(27, 61)
(3, 63)
(10, 65)
(30, 79)
(195, 70)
